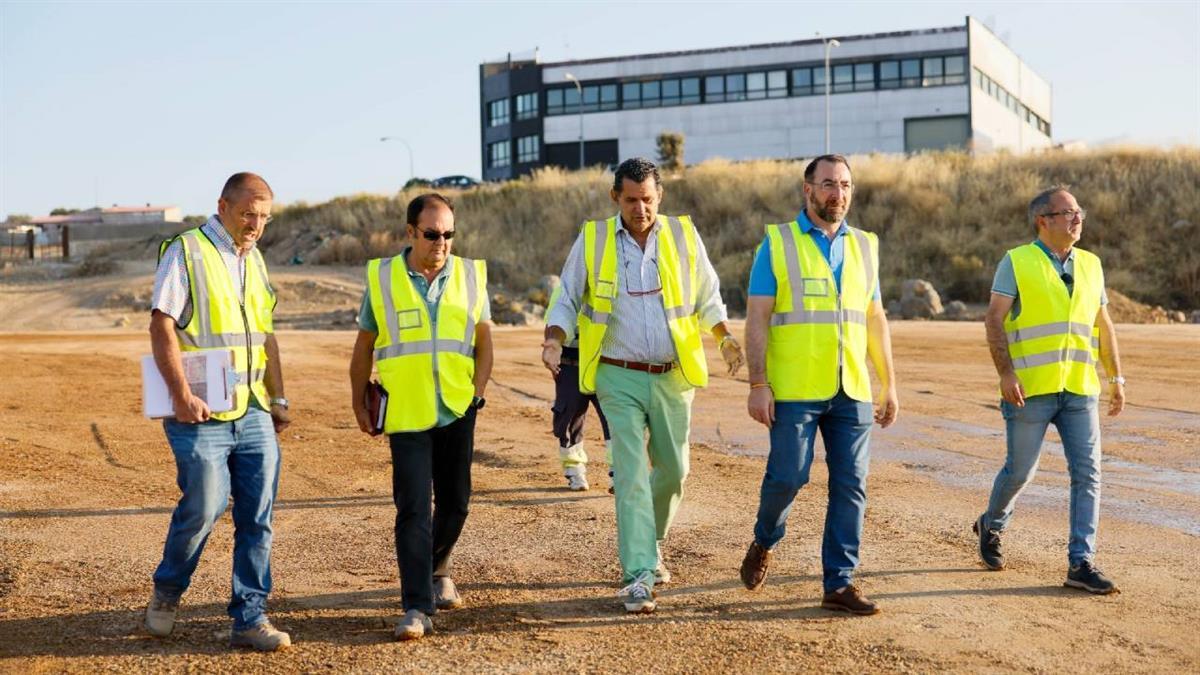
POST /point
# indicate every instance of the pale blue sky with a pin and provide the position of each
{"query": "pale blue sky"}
(104, 102)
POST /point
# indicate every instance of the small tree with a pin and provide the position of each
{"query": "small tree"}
(670, 150)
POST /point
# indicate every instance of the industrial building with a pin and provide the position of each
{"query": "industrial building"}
(906, 91)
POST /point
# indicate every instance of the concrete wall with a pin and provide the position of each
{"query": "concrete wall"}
(785, 127)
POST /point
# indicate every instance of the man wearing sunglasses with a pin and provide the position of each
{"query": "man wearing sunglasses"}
(813, 320)
(1045, 323)
(638, 290)
(425, 322)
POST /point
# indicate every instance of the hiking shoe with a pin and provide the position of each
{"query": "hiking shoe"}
(160, 615)
(445, 595)
(576, 478)
(639, 595)
(414, 625)
(989, 545)
(754, 566)
(849, 599)
(1087, 576)
(264, 637)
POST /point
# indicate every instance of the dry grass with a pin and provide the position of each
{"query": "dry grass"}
(945, 217)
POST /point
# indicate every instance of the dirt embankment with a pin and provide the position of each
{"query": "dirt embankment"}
(87, 486)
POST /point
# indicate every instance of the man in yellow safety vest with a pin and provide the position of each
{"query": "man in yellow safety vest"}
(638, 290)
(211, 292)
(425, 322)
(1045, 323)
(813, 319)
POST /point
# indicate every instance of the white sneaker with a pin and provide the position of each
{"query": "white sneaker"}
(662, 575)
(264, 638)
(413, 626)
(576, 478)
(160, 615)
(639, 595)
(445, 595)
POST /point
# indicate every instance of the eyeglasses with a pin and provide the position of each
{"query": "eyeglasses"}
(1069, 214)
(248, 216)
(829, 185)
(639, 294)
(430, 235)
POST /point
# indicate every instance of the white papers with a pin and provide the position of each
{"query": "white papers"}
(210, 375)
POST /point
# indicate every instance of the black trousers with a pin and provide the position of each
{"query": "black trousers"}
(431, 487)
(570, 404)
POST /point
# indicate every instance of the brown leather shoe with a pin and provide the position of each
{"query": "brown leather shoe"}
(754, 566)
(849, 599)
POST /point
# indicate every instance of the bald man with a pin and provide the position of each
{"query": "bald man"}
(211, 293)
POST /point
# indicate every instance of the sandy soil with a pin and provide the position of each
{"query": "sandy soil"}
(87, 486)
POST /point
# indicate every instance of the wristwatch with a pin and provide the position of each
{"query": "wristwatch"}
(1116, 379)
(477, 402)
(280, 401)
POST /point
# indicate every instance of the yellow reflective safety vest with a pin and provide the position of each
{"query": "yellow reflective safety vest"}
(1054, 342)
(418, 367)
(677, 250)
(817, 340)
(223, 320)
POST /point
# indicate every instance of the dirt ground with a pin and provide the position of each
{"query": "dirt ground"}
(87, 487)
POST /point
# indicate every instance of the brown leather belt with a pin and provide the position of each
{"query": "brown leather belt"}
(652, 368)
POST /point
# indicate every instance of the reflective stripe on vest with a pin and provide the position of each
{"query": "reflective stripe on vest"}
(418, 365)
(222, 320)
(817, 337)
(677, 243)
(1054, 342)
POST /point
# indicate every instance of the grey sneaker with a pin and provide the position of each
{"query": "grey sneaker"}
(1087, 576)
(264, 638)
(445, 595)
(989, 545)
(160, 615)
(414, 625)
(639, 595)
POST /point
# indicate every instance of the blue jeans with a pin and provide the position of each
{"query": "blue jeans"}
(845, 426)
(213, 460)
(1078, 424)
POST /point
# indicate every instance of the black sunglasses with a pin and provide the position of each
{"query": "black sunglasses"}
(430, 235)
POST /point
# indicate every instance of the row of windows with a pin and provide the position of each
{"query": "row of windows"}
(497, 112)
(1006, 99)
(930, 71)
(526, 108)
(500, 152)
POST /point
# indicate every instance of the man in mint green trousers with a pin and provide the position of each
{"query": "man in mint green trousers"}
(645, 268)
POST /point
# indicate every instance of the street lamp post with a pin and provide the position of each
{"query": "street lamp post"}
(579, 88)
(411, 174)
(829, 45)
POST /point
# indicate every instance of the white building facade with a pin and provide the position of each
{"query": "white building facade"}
(953, 87)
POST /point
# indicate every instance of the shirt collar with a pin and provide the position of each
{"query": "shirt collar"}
(414, 273)
(1042, 245)
(806, 225)
(220, 236)
(621, 226)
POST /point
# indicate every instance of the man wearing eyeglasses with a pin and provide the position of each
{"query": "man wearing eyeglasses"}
(813, 320)
(1045, 323)
(638, 289)
(425, 322)
(211, 292)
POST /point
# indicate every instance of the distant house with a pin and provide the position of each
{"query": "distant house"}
(116, 215)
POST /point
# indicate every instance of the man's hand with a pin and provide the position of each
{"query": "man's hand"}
(191, 410)
(552, 355)
(1011, 390)
(280, 417)
(761, 405)
(1116, 399)
(363, 417)
(731, 351)
(889, 408)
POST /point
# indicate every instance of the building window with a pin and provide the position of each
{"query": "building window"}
(526, 105)
(933, 72)
(777, 84)
(735, 87)
(631, 95)
(689, 88)
(608, 97)
(670, 92)
(843, 78)
(714, 89)
(910, 73)
(756, 85)
(802, 84)
(889, 74)
(956, 70)
(499, 155)
(498, 112)
(864, 76)
(650, 94)
(554, 102)
(1006, 99)
(527, 149)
